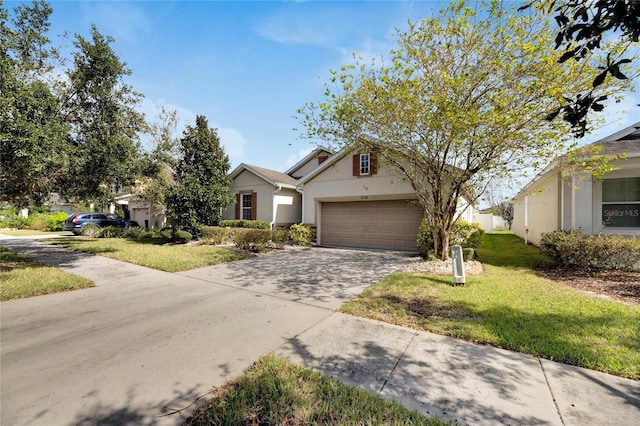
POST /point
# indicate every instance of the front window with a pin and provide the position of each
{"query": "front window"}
(246, 206)
(621, 202)
(364, 164)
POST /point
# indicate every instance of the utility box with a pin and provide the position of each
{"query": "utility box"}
(458, 264)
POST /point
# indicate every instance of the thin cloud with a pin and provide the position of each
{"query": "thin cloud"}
(122, 20)
(294, 158)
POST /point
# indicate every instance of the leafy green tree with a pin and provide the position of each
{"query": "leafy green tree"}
(582, 25)
(463, 101)
(201, 189)
(33, 151)
(159, 163)
(105, 125)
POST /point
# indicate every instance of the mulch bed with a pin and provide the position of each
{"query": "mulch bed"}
(617, 285)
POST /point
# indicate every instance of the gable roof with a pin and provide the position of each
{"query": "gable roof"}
(308, 157)
(330, 161)
(273, 177)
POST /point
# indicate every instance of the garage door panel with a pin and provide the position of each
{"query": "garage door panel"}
(371, 224)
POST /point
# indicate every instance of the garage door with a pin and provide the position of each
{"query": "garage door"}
(391, 225)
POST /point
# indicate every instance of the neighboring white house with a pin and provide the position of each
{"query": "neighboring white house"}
(611, 205)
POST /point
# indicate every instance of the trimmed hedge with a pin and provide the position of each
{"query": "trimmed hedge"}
(216, 235)
(572, 249)
(259, 240)
(243, 223)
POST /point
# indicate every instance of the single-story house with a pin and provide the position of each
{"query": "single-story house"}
(611, 205)
(269, 195)
(354, 201)
(346, 197)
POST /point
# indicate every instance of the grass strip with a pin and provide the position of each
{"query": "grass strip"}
(21, 277)
(277, 392)
(512, 307)
(151, 252)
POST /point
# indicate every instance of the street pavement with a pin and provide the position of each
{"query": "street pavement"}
(143, 345)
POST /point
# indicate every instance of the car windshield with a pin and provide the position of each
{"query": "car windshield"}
(113, 216)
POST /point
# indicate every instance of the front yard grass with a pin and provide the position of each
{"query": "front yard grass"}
(151, 252)
(512, 307)
(21, 277)
(276, 392)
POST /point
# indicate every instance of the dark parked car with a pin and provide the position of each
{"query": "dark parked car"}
(76, 221)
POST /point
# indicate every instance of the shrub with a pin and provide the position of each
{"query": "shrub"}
(260, 240)
(137, 232)
(425, 240)
(38, 222)
(572, 249)
(181, 236)
(55, 221)
(279, 238)
(243, 223)
(176, 235)
(15, 222)
(109, 232)
(301, 235)
(89, 230)
(166, 233)
(468, 235)
(468, 254)
(216, 235)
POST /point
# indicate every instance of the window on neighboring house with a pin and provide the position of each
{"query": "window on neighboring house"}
(621, 202)
(246, 206)
(364, 164)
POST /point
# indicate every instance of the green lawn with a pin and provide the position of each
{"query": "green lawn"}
(276, 392)
(512, 307)
(152, 252)
(21, 277)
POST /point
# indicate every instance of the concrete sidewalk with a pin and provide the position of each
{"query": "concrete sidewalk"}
(461, 381)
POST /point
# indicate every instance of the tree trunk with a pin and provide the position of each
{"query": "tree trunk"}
(441, 243)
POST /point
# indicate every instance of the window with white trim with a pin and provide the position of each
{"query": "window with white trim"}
(621, 202)
(246, 207)
(364, 164)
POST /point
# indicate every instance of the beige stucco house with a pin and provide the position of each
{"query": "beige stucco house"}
(269, 195)
(611, 205)
(349, 198)
(354, 201)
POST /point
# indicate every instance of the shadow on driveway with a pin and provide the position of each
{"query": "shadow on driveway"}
(320, 276)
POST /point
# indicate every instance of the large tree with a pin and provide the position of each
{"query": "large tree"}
(201, 189)
(33, 151)
(100, 107)
(462, 101)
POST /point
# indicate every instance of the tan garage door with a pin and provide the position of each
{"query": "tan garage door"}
(391, 225)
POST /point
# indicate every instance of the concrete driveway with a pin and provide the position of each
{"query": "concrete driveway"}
(143, 343)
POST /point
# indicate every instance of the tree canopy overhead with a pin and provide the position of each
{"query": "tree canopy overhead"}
(462, 100)
(582, 27)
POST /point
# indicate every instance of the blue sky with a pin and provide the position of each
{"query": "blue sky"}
(248, 66)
